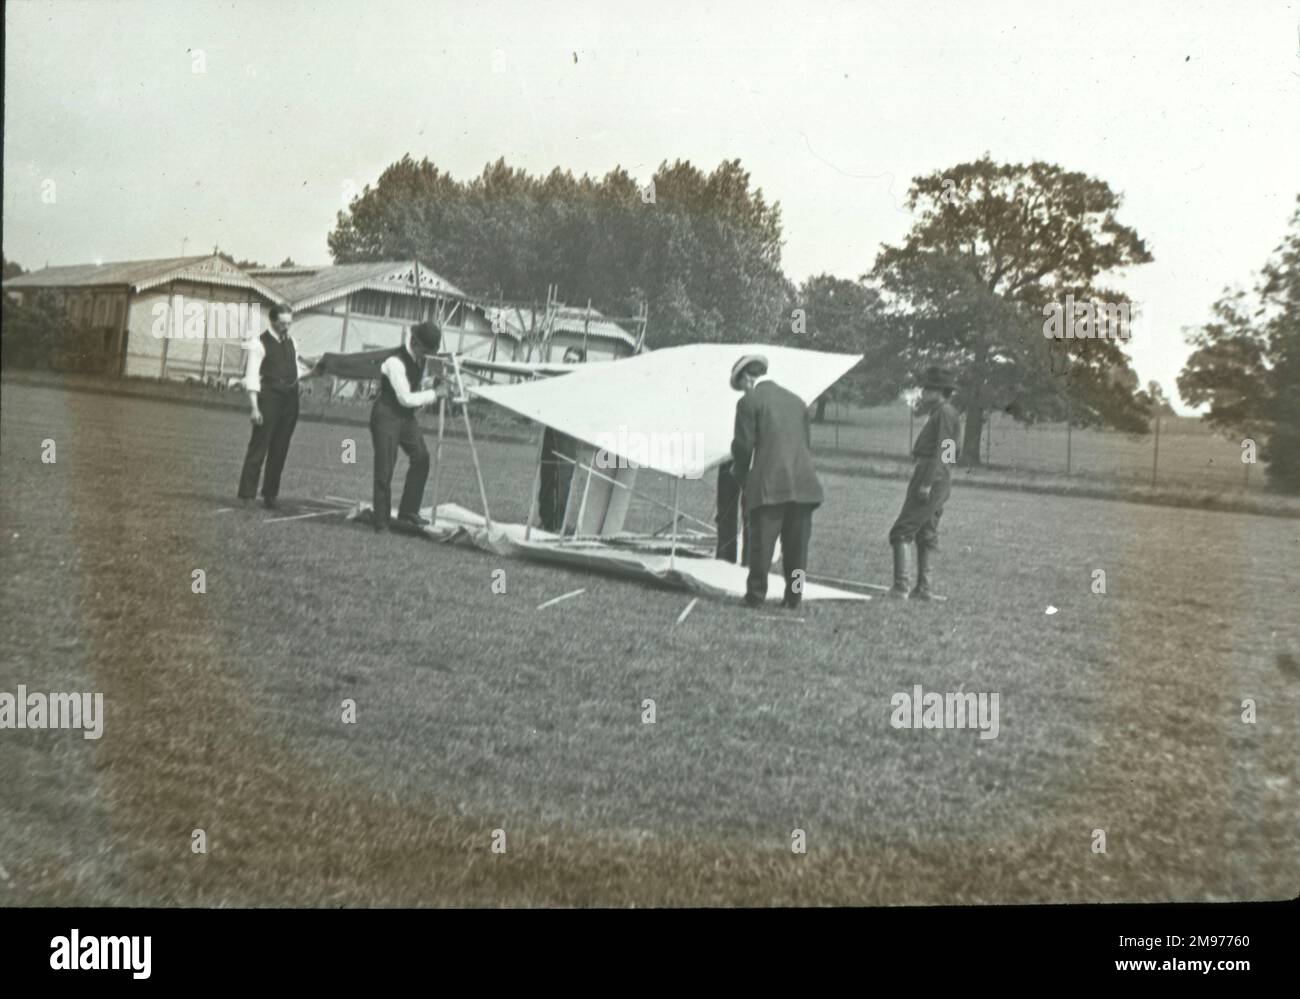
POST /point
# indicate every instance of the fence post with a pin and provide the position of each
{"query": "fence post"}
(1155, 454)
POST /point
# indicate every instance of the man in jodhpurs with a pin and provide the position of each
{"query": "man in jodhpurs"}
(935, 449)
(393, 425)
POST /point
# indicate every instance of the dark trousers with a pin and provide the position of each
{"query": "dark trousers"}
(919, 518)
(390, 430)
(269, 443)
(553, 494)
(792, 523)
(730, 513)
(553, 483)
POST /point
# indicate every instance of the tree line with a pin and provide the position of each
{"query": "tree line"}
(976, 284)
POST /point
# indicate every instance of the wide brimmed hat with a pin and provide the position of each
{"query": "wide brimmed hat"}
(743, 363)
(936, 377)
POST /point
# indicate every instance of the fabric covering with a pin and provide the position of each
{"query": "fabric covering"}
(704, 576)
(671, 410)
(361, 364)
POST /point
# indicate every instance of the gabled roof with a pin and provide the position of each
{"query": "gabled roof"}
(304, 287)
(140, 275)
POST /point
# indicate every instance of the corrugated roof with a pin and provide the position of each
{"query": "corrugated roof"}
(305, 287)
(141, 275)
(572, 321)
(120, 272)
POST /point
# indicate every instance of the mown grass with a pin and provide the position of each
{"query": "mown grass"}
(477, 712)
(1200, 470)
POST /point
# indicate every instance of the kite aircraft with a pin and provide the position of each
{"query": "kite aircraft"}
(666, 413)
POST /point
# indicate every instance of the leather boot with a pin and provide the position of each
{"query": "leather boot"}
(901, 582)
(923, 591)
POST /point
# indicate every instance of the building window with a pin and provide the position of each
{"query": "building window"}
(414, 309)
(370, 303)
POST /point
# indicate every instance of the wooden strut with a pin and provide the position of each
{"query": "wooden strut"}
(648, 499)
(437, 455)
(469, 435)
(582, 507)
(846, 582)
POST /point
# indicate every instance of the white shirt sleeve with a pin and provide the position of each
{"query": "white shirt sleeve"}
(395, 371)
(253, 370)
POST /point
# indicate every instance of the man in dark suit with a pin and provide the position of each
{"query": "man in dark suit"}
(271, 378)
(772, 457)
(733, 527)
(935, 449)
(393, 424)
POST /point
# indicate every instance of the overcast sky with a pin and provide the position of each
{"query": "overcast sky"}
(1190, 110)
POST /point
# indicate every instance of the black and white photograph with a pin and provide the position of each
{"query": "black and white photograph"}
(605, 456)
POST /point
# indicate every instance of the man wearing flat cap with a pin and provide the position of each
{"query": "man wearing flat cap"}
(935, 449)
(772, 459)
(393, 425)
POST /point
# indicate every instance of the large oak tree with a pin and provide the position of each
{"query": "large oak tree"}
(993, 245)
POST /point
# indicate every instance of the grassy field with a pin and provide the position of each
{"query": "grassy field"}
(475, 712)
(1190, 454)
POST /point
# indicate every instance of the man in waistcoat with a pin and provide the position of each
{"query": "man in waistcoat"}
(271, 379)
(393, 425)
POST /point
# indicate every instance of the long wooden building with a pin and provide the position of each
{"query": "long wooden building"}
(190, 317)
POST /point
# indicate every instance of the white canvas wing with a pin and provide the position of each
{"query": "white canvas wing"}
(671, 410)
